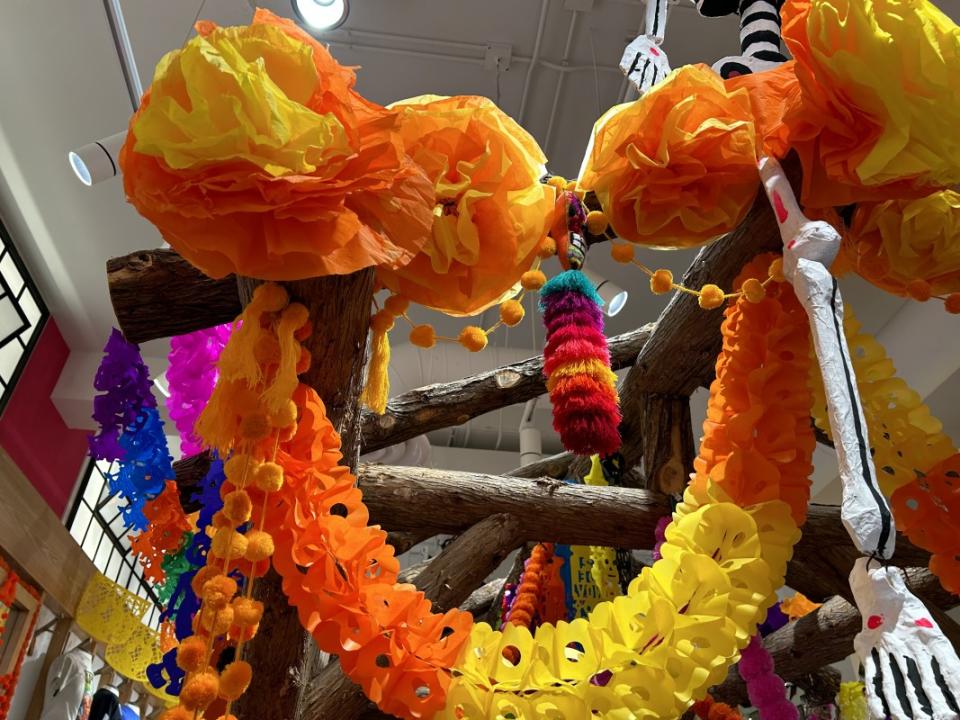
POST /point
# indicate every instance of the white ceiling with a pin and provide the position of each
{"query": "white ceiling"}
(61, 86)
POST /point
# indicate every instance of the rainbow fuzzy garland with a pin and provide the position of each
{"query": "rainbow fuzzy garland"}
(582, 387)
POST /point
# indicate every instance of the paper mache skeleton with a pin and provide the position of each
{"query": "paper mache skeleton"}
(645, 63)
(911, 670)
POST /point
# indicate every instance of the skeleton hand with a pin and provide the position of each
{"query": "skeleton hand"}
(910, 668)
(644, 62)
(809, 248)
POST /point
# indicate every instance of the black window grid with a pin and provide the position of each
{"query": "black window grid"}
(96, 523)
(26, 334)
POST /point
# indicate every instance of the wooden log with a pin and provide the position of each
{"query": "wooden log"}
(34, 538)
(433, 407)
(666, 436)
(482, 599)
(443, 501)
(158, 294)
(821, 638)
(340, 310)
(448, 581)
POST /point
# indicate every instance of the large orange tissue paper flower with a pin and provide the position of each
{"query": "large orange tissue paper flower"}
(253, 155)
(897, 243)
(491, 210)
(678, 167)
(881, 98)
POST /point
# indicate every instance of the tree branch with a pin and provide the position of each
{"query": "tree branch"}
(157, 294)
(433, 407)
(821, 638)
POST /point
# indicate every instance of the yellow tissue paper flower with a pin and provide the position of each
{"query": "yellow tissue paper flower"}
(898, 242)
(491, 212)
(880, 98)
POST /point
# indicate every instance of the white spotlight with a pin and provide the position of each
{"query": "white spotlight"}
(614, 297)
(98, 161)
(321, 14)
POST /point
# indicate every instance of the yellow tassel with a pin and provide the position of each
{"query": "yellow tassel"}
(238, 361)
(377, 389)
(219, 422)
(277, 394)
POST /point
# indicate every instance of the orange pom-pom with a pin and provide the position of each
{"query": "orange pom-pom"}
(622, 252)
(776, 271)
(271, 297)
(239, 469)
(177, 713)
(533, 280)
(511, 313)
(304, 331)
(192, 654)
(473, 338)
(216, 622)
(259, 545)
(920, 290)
(597, 222)
(423, 336)
(661, 282)
(571, 186)
(952, 303)
(238, 633)
(269, 477)
(558, 182)
(753, 290)
(219, 591)
(200, 579)
(710, 297)
(285, 416)
(255, 426)
(200, 690)
(246, 611)
(382, 322)
(296, 315)
(304, 361)
(396, 305)
(548, 248)
(227, 543)
(235, 679)
(220, 520)
(237, 506)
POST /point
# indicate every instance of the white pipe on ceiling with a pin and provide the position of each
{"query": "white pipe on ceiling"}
(559, 89)
(541, 25)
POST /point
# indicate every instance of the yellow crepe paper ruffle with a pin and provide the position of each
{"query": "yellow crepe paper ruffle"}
(253, 155)
(678, 167)
(905, 436)
(880, 98)
(897, 243)
(491, 210)
(852, 700)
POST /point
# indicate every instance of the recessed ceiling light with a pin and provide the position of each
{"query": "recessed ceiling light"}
(321, 14)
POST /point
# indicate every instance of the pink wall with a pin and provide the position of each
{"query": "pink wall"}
(31, 430)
